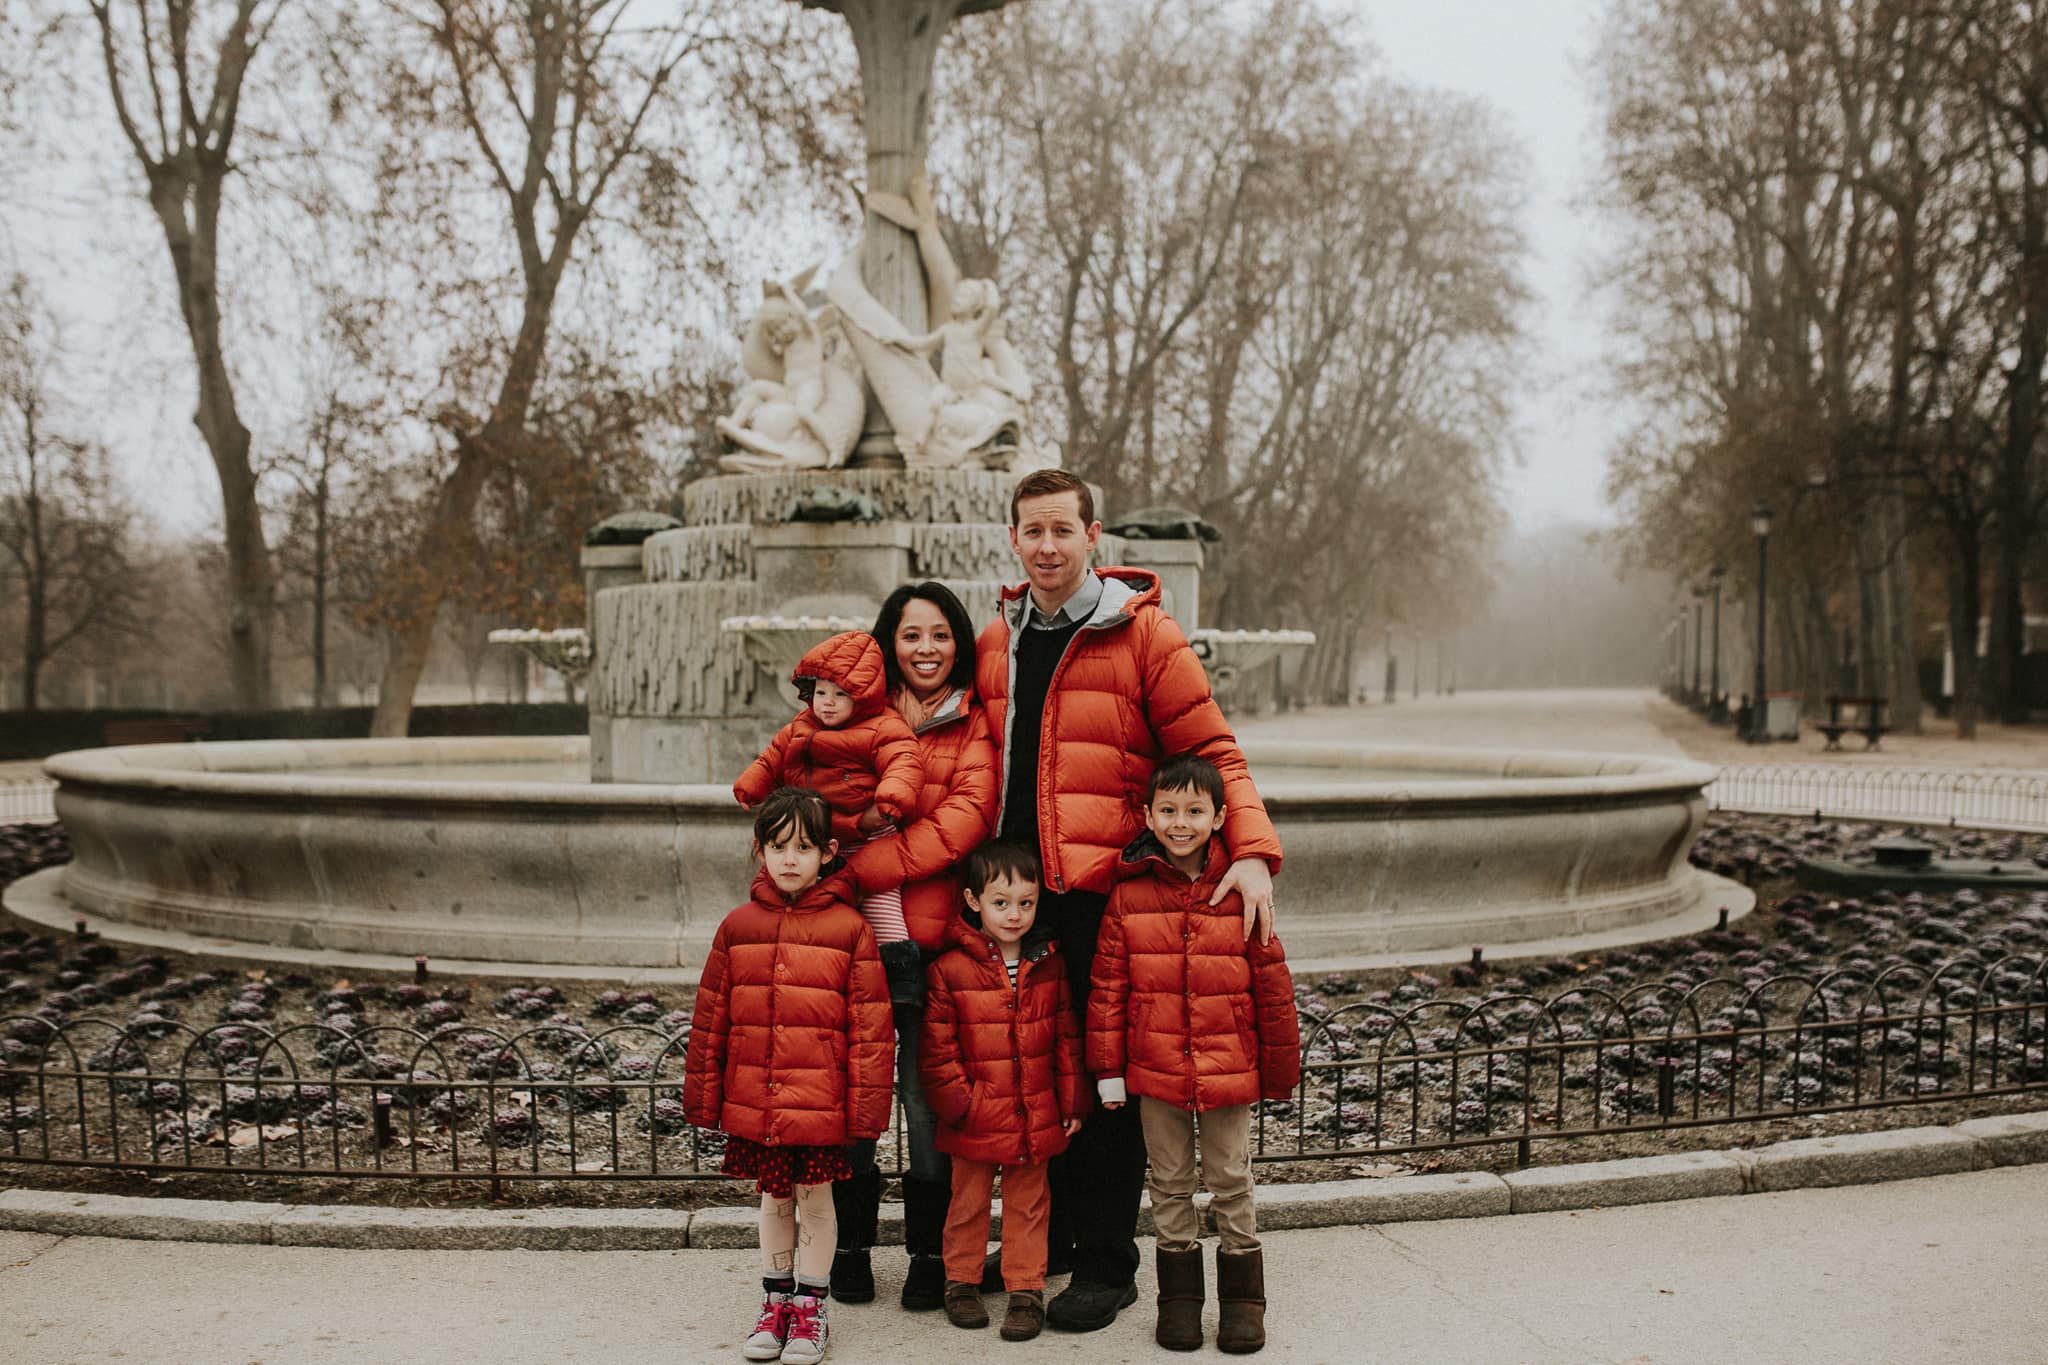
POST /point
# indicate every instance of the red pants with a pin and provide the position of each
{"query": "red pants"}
(1027, 1206)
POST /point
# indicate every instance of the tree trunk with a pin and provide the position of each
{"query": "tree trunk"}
(448, 536)
(1965, 604)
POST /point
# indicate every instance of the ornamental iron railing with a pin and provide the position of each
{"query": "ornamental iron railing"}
(1988, 799)
(558, 1102)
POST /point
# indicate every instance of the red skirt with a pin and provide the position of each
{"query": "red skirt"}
(778, 1171)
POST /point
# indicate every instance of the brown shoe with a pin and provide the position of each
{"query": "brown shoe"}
(1026, 1318)
(964, 1307)
(1180, 1299)
(1241, 1295)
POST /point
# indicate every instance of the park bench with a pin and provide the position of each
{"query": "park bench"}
(1855, 715)
(154, 730)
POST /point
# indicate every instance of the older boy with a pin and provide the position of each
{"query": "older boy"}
(1088, 682)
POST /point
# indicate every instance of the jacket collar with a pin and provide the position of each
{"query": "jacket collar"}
(955, 707)
(966, 932)
(1146, 856)
(1124, 590)
(833, 887)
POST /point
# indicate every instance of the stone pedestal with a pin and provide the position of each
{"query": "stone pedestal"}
(1179, 566)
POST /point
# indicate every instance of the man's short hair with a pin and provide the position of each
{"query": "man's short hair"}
(793, 807)
(1041, 482)
(1186, 773)
(999, 858)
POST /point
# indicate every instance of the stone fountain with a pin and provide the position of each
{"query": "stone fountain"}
(876, 441)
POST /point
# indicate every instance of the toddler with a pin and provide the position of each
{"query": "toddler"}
(790, 1056)
(1000, 1058)
(850, 746)
(1219, 1034)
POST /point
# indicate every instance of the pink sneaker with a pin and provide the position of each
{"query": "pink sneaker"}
(772, 1330)
(808, 1335)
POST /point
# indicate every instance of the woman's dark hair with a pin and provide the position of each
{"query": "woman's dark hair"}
(891, 616)
(797, 807)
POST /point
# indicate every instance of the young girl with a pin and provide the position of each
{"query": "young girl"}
(791, 1049)
(849, 745)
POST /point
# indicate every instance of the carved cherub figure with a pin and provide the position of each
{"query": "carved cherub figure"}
(802, 407)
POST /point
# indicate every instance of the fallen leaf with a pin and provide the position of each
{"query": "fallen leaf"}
(1377, 1172)
(591, 1167)
(249, 1134)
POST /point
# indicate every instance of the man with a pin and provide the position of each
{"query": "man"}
(1088, 683)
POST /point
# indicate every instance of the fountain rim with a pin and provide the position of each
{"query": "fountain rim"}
(273, 769)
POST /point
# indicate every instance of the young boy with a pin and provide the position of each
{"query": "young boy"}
(848, 745)
(1000, 1058)
(1220, 1033)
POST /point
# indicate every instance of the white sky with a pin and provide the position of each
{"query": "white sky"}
(1529, 58)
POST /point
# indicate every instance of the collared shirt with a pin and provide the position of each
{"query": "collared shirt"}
(1075, 609)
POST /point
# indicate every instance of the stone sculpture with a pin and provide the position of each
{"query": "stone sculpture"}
(802, 406)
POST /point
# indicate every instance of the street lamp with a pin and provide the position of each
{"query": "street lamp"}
(1760, 524)
(1717, 706)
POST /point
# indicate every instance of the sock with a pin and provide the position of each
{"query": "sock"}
(778, 1284)
(821, 1289)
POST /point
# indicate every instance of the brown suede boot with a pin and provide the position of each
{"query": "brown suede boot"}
(1180, 1299)
(1241, 1297)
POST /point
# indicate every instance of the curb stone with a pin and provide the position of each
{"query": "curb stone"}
(1856, 1158)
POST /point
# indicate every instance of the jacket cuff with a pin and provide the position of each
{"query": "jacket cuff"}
(1110, 1090)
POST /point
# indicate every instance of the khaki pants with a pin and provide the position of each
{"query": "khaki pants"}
(1226, 1144)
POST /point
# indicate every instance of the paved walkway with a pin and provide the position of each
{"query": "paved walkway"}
(1919, 1272)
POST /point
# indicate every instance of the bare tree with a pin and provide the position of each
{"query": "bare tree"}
(176, 71)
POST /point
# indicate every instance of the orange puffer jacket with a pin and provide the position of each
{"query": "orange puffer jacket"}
(872, 760)
(1182, 1007)
(792, 1042)
(954, 815)
(1128, 692)
(1001, 1068)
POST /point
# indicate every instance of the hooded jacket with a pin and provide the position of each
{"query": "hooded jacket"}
(791, 1042)
(872, 760)
(1128, 692)
(1183, 1008)
(955, 813)
(1001, 1068)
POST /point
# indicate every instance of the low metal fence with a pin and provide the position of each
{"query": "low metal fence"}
(1989, 799)
(28, 802)
(557, 1102)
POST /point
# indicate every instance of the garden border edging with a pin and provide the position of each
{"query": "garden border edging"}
(1801, 1163)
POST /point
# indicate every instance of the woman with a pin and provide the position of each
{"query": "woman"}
(928, 666)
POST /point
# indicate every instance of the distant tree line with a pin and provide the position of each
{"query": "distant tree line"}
(1832, 298)
(448, 282)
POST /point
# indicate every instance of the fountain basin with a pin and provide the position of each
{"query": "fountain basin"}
(367, 846)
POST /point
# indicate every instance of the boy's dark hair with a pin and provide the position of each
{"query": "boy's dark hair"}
(1042, 482)
(1001, 858)
(793, 806)
(1183, 773)
(891, 616)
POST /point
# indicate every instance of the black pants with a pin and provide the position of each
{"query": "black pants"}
(1097, 1181)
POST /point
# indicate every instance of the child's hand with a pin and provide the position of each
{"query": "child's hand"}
(872, 819)
(1073, 1126)
(1106, 1104)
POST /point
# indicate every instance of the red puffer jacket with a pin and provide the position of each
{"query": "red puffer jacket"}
(872, 760)
(1129, 692)
(792, 1042)
(955, 814)
(1001, 1068)
(1183, 1008)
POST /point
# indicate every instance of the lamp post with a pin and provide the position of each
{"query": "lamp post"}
(1698, 628)
(1678, 630)
(1717, 706)
(1760, 524)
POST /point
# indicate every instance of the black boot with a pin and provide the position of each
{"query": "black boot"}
(924, 1224)
(856, 1204)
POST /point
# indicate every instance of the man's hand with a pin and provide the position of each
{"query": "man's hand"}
(1073, 1126)
(1253, 880)
(871, 820)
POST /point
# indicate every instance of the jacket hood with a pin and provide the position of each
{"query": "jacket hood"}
(1124, 590)
(833, 887)
(851, 662)
(1145, 855)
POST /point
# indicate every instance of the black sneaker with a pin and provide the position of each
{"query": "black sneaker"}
(853, 1279)
(924, 1286)
(1083, 1307)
